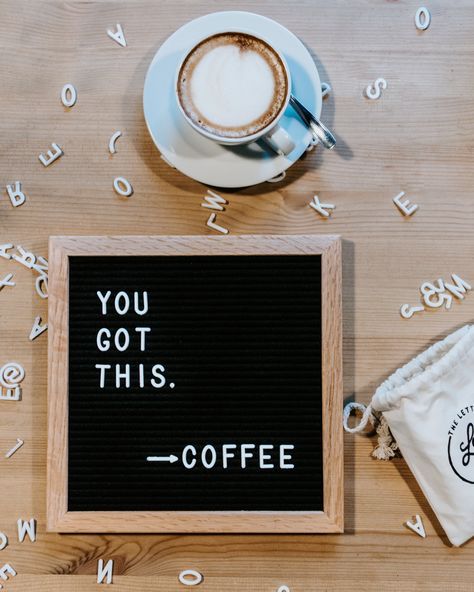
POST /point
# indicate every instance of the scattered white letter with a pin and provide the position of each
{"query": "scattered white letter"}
(321, 208)
(118, 36)
(404, 206)
(25, 527)
(213, 201)
(374, 90)
(16, 195)
(51, 157)
(212, 224)
(68, 95)
(105, 572)
(123, 187)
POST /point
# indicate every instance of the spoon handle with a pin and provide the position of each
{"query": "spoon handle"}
(319, 129)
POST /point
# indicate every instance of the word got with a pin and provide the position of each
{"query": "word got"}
(121, 339)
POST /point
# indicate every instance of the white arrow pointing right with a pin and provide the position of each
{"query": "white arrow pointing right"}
(172, 458)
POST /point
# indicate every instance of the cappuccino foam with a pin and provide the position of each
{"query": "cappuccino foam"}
(232, 85)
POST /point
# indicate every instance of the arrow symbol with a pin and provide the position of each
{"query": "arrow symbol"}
(172, 458)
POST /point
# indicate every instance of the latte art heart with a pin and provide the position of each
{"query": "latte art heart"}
(232, 85)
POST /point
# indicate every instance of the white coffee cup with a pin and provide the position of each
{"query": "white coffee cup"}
(274, 135)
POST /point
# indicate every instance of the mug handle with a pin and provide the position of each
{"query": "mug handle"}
(279, 140)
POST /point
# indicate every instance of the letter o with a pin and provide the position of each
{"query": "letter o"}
(205, 450)
(126, 343)
(190, 577)
(3, 541)
(123, 187)
(122, 310)
(68, 95)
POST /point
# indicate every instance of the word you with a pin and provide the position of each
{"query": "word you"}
(118, 35)
(120, 339)
(245, 456)
(190, 577)
(422, 18)
(114, 137)
(435, 294)
(374, 90)
(18, 445)
(11, 374)
(16, 195)
(417, 526)
(321, 208)
(405, 207)
(213, 201)
(51, 156)
(68, 95)
(123, 187)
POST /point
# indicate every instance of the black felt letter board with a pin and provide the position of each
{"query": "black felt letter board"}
(239, 341)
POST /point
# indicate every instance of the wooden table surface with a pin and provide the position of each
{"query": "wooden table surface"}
(418, 138)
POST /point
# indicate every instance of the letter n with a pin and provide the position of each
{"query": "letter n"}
(105, 572)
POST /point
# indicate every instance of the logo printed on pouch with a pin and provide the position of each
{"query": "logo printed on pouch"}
(461, 444)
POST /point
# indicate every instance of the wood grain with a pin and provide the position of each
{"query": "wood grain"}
(60, 519)
(419, 137)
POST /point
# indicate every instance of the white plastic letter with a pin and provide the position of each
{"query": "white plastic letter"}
(3, 541)
(211, 222)
(102, 368)
(103, 298)
(144, 308)
(125, 342)
(162, 380)
(422, 18)
(7, 569)
(50, 156)
(105, 572)
(264, 457)
(103, 344)
(205, 450)
(123, 187)
(16, 195)
(226, 454)
(68, 95)
(213, 201)
(405, 207)
(119, 375)
(189, 464)
(244, 455)
(118, 36)
(122, 309)
(460, 287)
(284, 457)
(25, 527)
(143, 331)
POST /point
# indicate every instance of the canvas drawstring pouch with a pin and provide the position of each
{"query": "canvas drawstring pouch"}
(426, 410)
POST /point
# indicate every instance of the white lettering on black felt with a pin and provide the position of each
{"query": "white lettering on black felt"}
(120, 339)
(126, 375)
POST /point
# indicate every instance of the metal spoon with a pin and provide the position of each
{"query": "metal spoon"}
(318, 129)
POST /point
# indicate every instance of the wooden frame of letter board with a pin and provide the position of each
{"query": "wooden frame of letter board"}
(59, 519)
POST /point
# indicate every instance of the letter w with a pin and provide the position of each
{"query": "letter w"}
(214, 201)
(25, 527)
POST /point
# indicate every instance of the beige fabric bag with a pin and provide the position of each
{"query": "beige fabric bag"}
(429, 407)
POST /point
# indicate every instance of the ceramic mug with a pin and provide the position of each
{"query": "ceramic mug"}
(273, 134)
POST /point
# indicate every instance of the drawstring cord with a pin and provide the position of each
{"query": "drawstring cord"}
(387, 445)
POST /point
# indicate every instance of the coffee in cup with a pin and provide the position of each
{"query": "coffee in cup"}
(232, 85)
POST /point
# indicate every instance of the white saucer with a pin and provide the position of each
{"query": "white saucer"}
(205, 160)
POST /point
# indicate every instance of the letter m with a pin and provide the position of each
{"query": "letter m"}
(459, 287)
